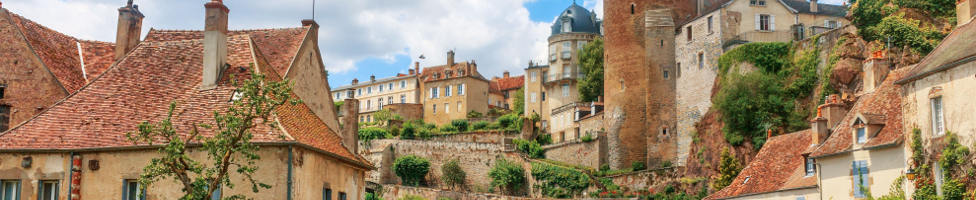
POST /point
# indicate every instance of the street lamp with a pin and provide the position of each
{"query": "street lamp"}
(910, 174)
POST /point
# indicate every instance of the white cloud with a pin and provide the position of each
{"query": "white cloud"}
(497, 34)
(596, 5)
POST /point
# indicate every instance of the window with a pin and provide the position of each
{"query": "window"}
(566, 71)
(678, 68)
(710, 31)
(532, 76)
(862, 136)
(938, 122)
(567, 46)
(447, 90)
(939, 177)
(666, 75)
(460, 89)
(379, 103)
(532, 97)
(389, 100)
(764, 22)
(434, 108)
(9, 189)
(810, 168)
(757, 2)
(4, 117)
(403, 84)
(831, 24)
(632, 8)
(337, 95)
(360, 92)
(327, 194)
(567, 26)
(433, 92)
(459, 106)
(389, 86)
(543, 96)
(565, 89)
(342, 196)
(47, 190)
(860, 171)
(133, 190)
(447, 108)
(403, 98)
(3, 88)
(381, 88)
(801, 198)
(580, 44)
(369, 90)
(688, 30)
(369, 104)
(701, 60)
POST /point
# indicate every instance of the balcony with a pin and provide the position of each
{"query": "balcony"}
(552, 57)
(766, 36)
(557, 77)
(567, 55)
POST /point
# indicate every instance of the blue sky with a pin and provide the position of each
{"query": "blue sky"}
(357, 38)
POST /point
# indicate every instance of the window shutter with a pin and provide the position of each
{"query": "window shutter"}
(772, 22)
(758, 26)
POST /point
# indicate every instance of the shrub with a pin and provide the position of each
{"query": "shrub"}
(411, 169)
(587, 138)
(474, 114)
(751, 104)
(666, 164)
(508, 120)
(460, 124)
(559, 182)
(409, 131)
(425, 133)
(767, 56)
(453, 175)
(605, 167)
(728, 169)
(638, 165)
(371, 196)
(531, 148)
(370, 133)
(508, 176)
(480, 125)
(448, 128)
(544, 139)
(494, 126)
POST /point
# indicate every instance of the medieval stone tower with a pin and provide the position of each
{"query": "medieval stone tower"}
(639, 82)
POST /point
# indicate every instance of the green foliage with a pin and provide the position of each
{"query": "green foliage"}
(531, 148)
(480, 125)
(475, 114)
(453, 176)
(877, 20)
(371, 196)
(408, 132)
(544, 139)
(954, 153)
(338, 105)
(507, 176)
(591, 65)
(952, 189)
(559, 182)
(751, 104)
(906, 32)
(587, 138)
(369, 133)
(412, 197)
(766, 56)
(638, 165)
(509, 120)
(936, 8)
(229, 149)
(411, 169)
(895, 192)
(448, 128)
(383, 116)
(667, 164)
(460, 124)
(518, 101)
(605, 167)
(728, 169)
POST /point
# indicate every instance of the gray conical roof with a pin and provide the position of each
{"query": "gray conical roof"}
(582, 21)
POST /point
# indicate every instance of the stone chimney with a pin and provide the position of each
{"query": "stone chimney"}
(472, 68)
(129, 30)
(834, 110)
(214, 43)
(965, 11)
(505, 74)
(412, 71)
(450, 58)
(372, 78)
(313, 28)
(350, 125)
(819, 127)
(416, 67)
(814, 7)
(355, 81)
(701, 7)
(875, 70)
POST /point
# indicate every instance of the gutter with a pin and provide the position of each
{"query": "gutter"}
(761, 193)
(944, 67)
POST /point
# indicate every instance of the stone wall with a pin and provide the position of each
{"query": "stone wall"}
(399, 191)
(476, 159)
(696, 79)
(647, 178)
(577, 152)
(409, 111)
(29, 86)
(493, 137)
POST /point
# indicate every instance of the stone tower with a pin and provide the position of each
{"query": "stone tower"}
(639, 81)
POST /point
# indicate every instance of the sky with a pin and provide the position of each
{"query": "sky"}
(357, 38)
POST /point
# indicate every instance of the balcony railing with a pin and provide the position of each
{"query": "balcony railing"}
(553, 77)
(766, 36)
(567, 55)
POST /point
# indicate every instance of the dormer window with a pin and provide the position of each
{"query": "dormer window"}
(810, 167)
(865, 126)
(567, 26)
(862, 135)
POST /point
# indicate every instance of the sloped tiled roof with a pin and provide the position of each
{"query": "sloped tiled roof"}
(140, 88)
(884, 101)
(428, 73)
(779, 165)
(60, 53)
(503, 84)
(279, 46)
(956, 49)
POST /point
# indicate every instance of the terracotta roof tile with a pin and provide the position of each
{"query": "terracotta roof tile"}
(951, 51)
(279, 46)
(503, 84)
(428, 72)
(98, 57)
(884, 101)
(774, 168)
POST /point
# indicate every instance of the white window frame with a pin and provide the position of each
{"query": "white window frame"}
(532, 76)
(447, 90)
(532, 97)
(403, 84)
(459, 106)
(140, 191)
(565, 89)
(41, 189)
(15, 193)
(861, 135)
(810, 167)
(461, 89)
(770, 22)
(447, 108)
(938, 116)
(403, 98)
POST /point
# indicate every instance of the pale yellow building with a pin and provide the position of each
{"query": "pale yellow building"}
(78, 147)
(374, 94)
(453, 90)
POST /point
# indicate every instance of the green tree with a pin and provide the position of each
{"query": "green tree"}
(728, 169)
(453, 176)
(591, 64)
(229, 147)
(411, 169)
(519, 102)
(508, 176)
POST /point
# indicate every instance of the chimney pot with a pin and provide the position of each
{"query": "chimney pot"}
(450, 58)
(372, 78)
(214, 43)
(412, 71)
(128, 29)
(355, 81)
(505, 74)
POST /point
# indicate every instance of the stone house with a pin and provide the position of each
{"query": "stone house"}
(453, 90)
(936, 94)
(40, 66)
(721, 26)
(78, 148)
(378, 94)
(535, 94)
(779, 171)
(502, 90)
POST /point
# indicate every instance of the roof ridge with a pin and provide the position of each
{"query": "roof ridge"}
(231, 30)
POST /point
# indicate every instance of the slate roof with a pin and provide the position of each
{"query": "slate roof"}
(169, 69)
(881, 106)
(955, 50)
(398, 77)
(582, 20)
(803, 6)
(60, 53)
(778, 166)
(503, 84)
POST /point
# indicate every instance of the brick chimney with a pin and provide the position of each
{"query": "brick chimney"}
(355, 81)
(819, 127)
(505, 74)
(129, 29)
(214, 42)
(411, 71)
(814, 7)
(965, 11)
(875, 70)
(834, 110)
(350, 125)
(416, 67)
(450, 58)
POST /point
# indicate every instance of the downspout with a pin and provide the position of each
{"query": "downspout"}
(74, 184)
(291, 158)
(819, 180)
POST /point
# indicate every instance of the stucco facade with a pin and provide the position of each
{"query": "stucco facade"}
(953, 87)
(452, 90)
(809, 193)
(536, 99)
(884, 166)
(375, 94)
